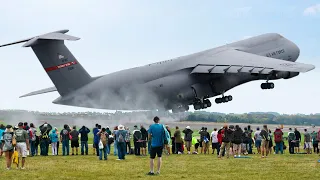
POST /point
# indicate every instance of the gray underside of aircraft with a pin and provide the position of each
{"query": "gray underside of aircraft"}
(171, 84)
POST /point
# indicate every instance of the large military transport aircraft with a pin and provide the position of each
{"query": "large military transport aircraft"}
(173, 84)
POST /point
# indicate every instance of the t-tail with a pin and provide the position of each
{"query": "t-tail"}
(62, 67)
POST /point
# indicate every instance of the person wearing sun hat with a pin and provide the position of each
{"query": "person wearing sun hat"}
(188, 137)
(121, 142)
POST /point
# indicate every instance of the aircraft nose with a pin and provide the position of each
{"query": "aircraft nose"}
(295, 51)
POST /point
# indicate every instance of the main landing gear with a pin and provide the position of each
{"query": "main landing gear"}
(223, 99)
(201, 104)
(267, 85)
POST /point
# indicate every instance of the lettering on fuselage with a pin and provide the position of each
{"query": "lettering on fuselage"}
(274, 53)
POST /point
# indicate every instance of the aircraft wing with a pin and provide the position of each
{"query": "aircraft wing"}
(42, 91)
(235, 61)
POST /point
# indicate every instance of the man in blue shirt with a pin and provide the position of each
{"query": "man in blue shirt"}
(156, 136)
(96, 139)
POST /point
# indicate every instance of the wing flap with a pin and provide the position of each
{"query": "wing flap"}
(234, 61)
(42, 91)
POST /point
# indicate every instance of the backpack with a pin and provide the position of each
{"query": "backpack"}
(277, 136)
(188, 136)
(291, 136)
(104, 139)
(137, 135)
(121, 138)
(259, 137)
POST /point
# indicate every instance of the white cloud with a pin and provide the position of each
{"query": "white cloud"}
(312, 10)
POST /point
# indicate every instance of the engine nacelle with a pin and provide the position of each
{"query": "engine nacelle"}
(285, 74)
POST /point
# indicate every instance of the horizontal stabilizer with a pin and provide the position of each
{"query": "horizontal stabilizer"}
(56, 35)
(42, 91)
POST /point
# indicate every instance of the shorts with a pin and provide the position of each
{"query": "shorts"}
(156, 151)
(22, 149)
(307, 145)
(205, 144)
(265, 144)
(236, 146)
(200, 143)
(297, 143)
(188, 144)
(144, 144)
(74, 144)
(215, 145)
(258, 143)
(196, 145)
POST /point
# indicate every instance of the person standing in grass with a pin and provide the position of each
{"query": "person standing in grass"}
(278, 139)
(214, 140)
(64, 138)
(109, 140)
(227, 134)
(144, 139)
(265, 141)
(54, 139)
(188, 138)
(258, 139)
(84, 131)
(94, 132)
(291, 141)
(297, 140)
(128, 140)
(307, 141)
(156, 134)
(115, 145)
(8, 147)
(104, 140)
(2, 129)
(137, 136)
(178, 141)
(22, 146)
(74, 140)
(237, 140)
(315, 142)
(121, 142)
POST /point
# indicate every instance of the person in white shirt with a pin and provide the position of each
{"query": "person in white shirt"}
(215, 142)
(258, 140)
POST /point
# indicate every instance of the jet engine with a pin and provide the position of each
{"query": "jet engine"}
(285, 74)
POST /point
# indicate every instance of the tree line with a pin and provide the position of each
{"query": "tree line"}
(258, 117)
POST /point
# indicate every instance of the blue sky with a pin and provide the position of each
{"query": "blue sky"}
(116, 35)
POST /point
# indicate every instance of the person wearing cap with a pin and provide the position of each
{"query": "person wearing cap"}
(188, 137)
(22, 146)
(121, 142)
(44, 138)
(7, 147)
(137, 136)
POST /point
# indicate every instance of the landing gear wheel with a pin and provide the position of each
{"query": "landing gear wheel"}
(207, 102)
(218, 100)
(267, 86)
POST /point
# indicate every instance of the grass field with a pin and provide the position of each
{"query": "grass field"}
(286, 166)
